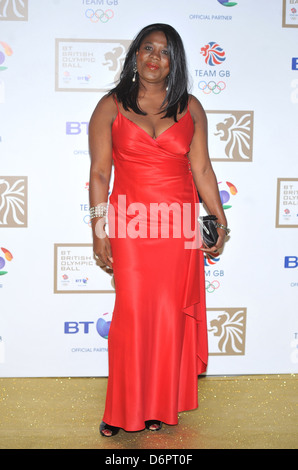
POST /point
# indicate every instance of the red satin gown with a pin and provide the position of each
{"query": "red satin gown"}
(158, 335)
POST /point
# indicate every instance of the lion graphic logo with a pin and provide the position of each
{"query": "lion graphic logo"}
(13, 10)
(114, 60)
(13, 201)
(233, 131)
(226, 331)
(236, 131)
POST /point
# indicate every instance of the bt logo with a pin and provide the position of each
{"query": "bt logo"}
(227, 4)
(291, 262)
(102, 327)
(76, 128)
(294, 63)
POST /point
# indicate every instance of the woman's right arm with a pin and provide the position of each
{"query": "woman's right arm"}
(100, 148)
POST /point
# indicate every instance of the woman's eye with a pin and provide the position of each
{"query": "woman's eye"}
(150, 48)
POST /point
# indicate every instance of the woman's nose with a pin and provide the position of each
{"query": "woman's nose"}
(155, 54)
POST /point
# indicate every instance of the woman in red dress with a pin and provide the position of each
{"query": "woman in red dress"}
(155, 134)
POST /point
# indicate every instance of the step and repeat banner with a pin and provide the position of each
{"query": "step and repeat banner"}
(57, 59)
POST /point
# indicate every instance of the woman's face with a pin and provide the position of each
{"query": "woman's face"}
(153, 61)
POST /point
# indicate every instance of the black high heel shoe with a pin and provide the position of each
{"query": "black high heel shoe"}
(153, 425)
(112, 430)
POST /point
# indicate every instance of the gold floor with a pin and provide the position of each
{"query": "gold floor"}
(247, 412)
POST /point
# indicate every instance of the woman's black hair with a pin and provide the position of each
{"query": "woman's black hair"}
(177, 94)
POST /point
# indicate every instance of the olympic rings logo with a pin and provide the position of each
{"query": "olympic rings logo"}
(212, 87)
(99, 15)
(211, 286)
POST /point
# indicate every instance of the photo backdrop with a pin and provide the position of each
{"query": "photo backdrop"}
(57, 59)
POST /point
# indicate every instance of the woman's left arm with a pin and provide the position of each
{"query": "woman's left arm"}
(202, 171)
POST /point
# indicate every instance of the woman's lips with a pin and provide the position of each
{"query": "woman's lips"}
(152, 66)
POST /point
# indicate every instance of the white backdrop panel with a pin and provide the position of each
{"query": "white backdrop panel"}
(57, 59)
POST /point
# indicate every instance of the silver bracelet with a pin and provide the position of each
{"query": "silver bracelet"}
(226, 229)
(98, 211)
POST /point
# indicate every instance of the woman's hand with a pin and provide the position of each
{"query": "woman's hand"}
(219, 244)
(102, 246)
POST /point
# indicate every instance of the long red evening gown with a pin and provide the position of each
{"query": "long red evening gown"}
(158, 336)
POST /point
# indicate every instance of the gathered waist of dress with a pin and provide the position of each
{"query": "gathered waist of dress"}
(147, 187)
(152, 168)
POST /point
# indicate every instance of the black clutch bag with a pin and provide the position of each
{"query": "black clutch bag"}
(208, 227)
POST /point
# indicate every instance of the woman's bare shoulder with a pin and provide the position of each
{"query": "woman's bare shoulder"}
(106, 109)
(196, 110)
(195, 105)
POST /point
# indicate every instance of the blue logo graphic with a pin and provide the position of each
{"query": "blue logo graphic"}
(291, 262)
(227, 4)
(85, 327)
(294, 63)
(103, 327)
